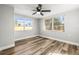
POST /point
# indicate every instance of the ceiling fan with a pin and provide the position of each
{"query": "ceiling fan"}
(40, 10)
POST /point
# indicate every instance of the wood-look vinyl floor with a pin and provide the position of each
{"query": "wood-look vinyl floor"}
(41, 46)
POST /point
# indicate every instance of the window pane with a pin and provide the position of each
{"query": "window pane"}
(28, 24)
(19, 24)
(59, 23)
(48, 24)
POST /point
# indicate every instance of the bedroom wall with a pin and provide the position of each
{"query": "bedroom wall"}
(6, 27)
(19, 35)
(71, 21)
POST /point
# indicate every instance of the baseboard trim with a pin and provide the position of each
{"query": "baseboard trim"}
(69, 42)
(25, 37)
(13, 45)
(6, 47)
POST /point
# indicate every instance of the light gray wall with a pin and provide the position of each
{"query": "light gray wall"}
(6, 26)
(28, 33)
(71, 21)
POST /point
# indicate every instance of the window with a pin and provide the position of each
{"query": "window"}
(23, 24)
(59, 23)
(56, 23)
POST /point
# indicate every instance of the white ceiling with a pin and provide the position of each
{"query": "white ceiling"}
(26, 9)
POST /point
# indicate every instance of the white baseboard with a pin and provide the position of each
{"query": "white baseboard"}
(25, 37)
(13, 45)
(69, 42)
(6, 47)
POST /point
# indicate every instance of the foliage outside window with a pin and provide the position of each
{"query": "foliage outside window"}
(59, 23)
(56, 23)
(48, 24)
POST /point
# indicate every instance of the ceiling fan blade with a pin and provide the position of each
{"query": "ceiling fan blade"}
(41, 13)
(34, 13)
(34, 10)
(46, 10)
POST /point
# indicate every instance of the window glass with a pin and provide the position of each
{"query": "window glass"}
(48, 24)
(23, 24)
(56, 23)
(28, 24)
(59, 23)
(19, 24)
